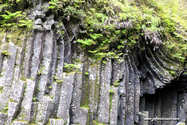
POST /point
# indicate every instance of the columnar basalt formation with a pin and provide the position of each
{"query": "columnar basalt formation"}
(36, 88)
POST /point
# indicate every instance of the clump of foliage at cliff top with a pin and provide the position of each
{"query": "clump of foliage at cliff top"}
(113, 24)
(13, 18)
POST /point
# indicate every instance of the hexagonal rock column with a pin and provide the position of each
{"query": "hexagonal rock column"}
(15, 100)
(66, 96)
(104, 103)
(26, 104)
(3, 117)
(44, 110)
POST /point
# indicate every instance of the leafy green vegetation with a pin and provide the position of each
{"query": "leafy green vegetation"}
(112, 25)
(5, 53)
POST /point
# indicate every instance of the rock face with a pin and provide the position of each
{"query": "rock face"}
(36, 87)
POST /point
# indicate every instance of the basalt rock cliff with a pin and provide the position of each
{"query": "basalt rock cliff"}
(36, 88)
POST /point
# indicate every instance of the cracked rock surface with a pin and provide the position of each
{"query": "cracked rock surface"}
(36, 87)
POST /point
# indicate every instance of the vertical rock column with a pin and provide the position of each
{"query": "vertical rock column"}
(15, 100)
(45, 68)
(26, 105)
(103, 111)
(66, 96)
(28, 52)
(117, 72)
(44, 110)
(6, 80)
(93, 90)
(130, 94)
(182, 106)
(56, 86)
(76, 99)
(122, 93)
(37, 54)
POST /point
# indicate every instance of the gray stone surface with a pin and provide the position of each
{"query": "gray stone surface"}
(34, 111)
(11, 62)
(54, 60)
(76, 99)
(3, 117)
(94, 83)
(48, 24)
(45, 69)
(4, 98)
(19, 123)
(66, 96)
(182, 106)
(26, 104)
(130, 95)
(37, 53)
(55, 94)
(53, 121)
(83, 116)
(27, 57)
(15, 100)
(45, 108)
(1, 60)
(122, 111)
(103, 111)
(60, 58)
(114, 107)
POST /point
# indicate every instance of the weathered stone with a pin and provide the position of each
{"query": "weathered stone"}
(38, 14)
(76, 99)
(26, 104)
(17, 91)
(15, 100)
(130, 95)
(65, 99)
(94, 83)
(4, 97)
(45, 69)
(12, 111)
(38, 21)
(67, 47)
(3, 71)
(37, 54)
(33, 111)
(114, 107)
(38, 28)
(56, 121)
(48, 24)
(3, 117)
(182, 106)
(82, 120)
(60, 62)
(103, 111)
(54, 60)
(1, 60)
(122, 109)
(45, 108)
(19, 123)
(55, 94)
(27, 57)
(11, 62)
(157, 107)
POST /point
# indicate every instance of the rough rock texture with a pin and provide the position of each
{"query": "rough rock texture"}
(3, 117)
(36, 88)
